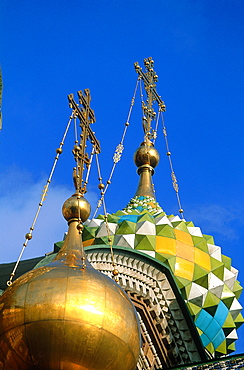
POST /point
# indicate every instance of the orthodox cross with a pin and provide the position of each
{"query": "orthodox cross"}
(149, 78)
(86, 117)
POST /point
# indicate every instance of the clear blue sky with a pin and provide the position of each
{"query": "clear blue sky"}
(50, 49)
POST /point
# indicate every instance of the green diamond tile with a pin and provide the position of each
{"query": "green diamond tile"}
(145, 242)
(165, 230)
(239, 320)
(227, 296)
(89, 233)
(227, 261)
(237, 289)
(231, 347)
(209, 239)
(180, 225)
(210, 347)
(126, 227)
(221, 349)
(190, 224)
(146, 217)
(199, 273)
(203, 281)
(101, 217)
(185, 291)
(163, 257)
(211, 303)
(217, 268)
(229, 324)
(112, 218)
(181, 282)
(228, 301)
(194, 309)
(200, 243)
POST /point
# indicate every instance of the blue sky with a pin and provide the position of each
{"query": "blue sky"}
(50, 49)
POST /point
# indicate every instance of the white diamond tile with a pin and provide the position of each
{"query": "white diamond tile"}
(229, 278)
(215, 252)
(127, 240)
(175, 218)
(145, 228)
(235, 308)
(233, 335)
(94, 222)
(103, 229)
(195, 231)
(196, 291)
(163, 220)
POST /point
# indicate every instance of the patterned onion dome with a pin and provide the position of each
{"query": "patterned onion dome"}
(205, 277)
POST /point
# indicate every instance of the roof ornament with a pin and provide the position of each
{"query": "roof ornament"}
(86, 116)
(146, 157)
(71, 309)
(149, 78)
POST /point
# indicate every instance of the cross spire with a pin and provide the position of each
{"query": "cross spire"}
(86, 117)
(149, 79)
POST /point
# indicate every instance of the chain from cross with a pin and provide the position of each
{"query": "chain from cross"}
(149, 78)
(86, 117)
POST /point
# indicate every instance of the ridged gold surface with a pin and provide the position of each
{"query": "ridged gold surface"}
(66, 315)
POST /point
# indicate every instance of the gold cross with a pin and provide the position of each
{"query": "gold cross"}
(149, 78)
(86, 117)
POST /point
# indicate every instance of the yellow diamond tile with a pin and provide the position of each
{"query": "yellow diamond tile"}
(184, 250)
(183, 236)
(184, 268)
(202, 259)
(165, 245)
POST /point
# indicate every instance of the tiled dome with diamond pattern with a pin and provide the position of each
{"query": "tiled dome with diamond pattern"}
(205, 277)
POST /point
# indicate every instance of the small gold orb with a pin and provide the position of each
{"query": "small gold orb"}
(28, 236)
(76, 208)
(59, 150)
(146, 154)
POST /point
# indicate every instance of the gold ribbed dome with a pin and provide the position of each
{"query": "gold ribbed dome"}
(67, 315)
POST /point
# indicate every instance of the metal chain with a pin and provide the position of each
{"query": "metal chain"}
(28, 236)
(115, 271)
(118, 151)
(173, 176)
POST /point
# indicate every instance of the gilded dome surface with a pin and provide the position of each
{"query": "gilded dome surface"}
(205, 277)
(65, 315)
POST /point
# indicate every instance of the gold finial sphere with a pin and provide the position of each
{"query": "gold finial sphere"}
(76, 208)
(146, 154)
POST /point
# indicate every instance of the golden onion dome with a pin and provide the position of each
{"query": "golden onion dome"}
(67, 315)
